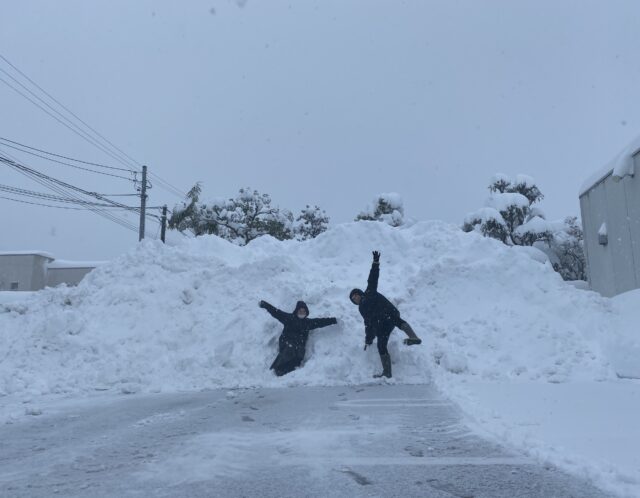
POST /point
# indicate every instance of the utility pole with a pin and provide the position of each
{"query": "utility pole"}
(143, 202)
(164, 222)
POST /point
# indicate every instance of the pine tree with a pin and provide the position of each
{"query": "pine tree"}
(509, 214)
(387, 208)
(511, 217)
(311, 222)
(245, 217)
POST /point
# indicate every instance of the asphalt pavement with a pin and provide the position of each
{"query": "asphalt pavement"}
(374, 440)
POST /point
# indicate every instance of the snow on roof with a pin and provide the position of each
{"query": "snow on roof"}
(62, 263)
(44, 254)
(619, 167)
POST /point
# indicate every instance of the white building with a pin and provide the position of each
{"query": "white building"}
(610, 208)
(35, 270)
(23, 270)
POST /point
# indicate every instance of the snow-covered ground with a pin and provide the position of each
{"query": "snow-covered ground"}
(532, 360)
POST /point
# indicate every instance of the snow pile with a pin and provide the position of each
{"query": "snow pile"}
(525, 354)
(623, 347)
(186, 317)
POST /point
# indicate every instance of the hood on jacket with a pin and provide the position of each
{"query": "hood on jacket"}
(355, 292)
(301, 305)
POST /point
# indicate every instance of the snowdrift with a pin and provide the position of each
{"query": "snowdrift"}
(186, 316)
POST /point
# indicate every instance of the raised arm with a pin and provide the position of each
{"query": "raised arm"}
(374, 274)
(318, 323)
(279, 315)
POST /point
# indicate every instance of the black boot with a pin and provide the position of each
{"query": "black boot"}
(412, 338)
(386, 366)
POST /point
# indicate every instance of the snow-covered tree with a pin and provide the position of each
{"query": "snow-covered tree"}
(186, 215)
(245, 217)
(239, 219)
(567, 250)
(311, 222)
(509, 214)
(387, 208)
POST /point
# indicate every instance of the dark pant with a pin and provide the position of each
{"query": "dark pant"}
(285, 362)
(384, 333)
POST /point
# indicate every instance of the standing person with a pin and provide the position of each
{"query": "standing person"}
(380, 317)
(293, 339)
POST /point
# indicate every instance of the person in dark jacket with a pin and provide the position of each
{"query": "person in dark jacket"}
(293, 339)
(380, 317)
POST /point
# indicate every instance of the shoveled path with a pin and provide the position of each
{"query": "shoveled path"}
(373, 440)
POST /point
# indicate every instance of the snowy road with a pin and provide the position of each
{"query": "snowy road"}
(377, 440)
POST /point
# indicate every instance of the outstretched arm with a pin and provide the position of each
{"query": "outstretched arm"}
(279, 315)
(317, 323)
(374, 274)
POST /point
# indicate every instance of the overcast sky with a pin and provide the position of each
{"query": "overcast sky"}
(317, 102)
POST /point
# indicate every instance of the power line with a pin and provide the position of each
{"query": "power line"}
(50, 197)
(73, 127)
(68, 110)
(168, 187)
(45, 205)
(50, 205)
(113, 151)
(88, 163)
(162, 183)
(60, 182)
(60, 190)
(65, 163)
(101, 212)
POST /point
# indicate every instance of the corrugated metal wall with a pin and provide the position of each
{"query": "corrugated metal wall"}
(615, 267)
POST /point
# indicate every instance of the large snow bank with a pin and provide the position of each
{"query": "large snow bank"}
(186, 317)
(533, 360)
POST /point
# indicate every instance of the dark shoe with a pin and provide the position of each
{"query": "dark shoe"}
(386, 367)
(412, 337)
(412, 341)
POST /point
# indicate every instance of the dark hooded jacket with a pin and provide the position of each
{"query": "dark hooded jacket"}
(380, 316)
(293, 339)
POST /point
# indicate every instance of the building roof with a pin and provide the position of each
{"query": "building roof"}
(44, 254)
(63, 263)
(619, 167)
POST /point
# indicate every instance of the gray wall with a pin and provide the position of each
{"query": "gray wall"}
(613, 268)
(69, 276)
(28, 270)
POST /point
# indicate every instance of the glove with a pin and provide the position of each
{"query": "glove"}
(376, 256)
(334, 321)
(262, 304)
